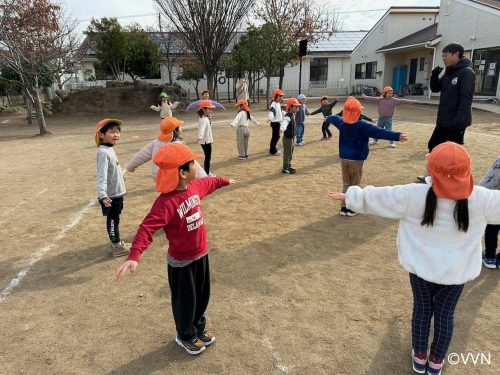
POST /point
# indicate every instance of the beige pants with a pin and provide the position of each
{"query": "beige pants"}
(352, 171)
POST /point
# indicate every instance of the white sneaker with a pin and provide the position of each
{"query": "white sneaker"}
(212, 174)
(372, 142)
(278, 153)
(392, 145)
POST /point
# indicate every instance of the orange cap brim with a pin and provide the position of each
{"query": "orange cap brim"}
(165, 137)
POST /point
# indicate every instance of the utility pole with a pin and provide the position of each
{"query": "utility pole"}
(159, 21)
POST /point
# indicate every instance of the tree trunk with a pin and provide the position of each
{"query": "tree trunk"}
(258, 90)
(268, 85)
(39, 113)
(196, 89)
(282, 74)
(210, 83)
(169, 75)
(28, 109)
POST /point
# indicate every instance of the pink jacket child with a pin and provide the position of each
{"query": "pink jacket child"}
(387, 104)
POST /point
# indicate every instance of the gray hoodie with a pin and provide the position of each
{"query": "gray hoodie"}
(110, 182)
(491, 179)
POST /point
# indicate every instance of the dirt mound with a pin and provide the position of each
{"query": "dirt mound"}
(111, 100)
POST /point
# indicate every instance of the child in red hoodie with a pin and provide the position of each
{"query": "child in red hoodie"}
(178, 212)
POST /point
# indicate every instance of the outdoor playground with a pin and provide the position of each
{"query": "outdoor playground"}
(296, 288)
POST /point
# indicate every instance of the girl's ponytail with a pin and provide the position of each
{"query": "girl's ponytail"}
(460, 213)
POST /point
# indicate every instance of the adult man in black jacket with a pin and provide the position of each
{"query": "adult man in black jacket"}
(455, 103)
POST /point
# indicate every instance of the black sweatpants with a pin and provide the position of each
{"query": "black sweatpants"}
(324, 129)
(491, 240)
(113, 218)
(441, 135)
(207, 150)
(275, 137)
(190, 292)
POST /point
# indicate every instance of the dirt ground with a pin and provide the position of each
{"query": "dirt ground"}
(296, 288)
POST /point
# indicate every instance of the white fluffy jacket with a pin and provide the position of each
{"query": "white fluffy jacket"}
(441, 253)
(165, 109)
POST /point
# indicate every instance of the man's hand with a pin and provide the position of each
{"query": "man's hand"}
(437, 70)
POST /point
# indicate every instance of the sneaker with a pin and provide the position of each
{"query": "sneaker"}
(351, 213)
(210, 174)
(289, 170)
(343, 211)
(419, 362)
(278, 153)
(242, 157)
(421, 178)
(120, 249)
(300, 144)
(489, 262)
(330, 137)
(434, 366)
(392, 145)
(292, 170)
(207, 338)
(372, 142)
(195, 346)
(324, 139)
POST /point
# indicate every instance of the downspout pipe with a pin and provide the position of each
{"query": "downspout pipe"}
(428, 45)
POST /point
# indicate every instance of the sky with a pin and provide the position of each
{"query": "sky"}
(353, 15)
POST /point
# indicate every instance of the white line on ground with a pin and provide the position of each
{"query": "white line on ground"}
(43, 250)
(267, 343)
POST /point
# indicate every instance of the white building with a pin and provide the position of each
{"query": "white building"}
(406, 43)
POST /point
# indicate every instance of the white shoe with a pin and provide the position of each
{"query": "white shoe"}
(392, 145)
(372, 142)
(212, 174)
(278, 153)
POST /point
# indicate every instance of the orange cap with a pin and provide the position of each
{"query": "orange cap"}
(352, 110)
(101, 124)
(241, 102)
(206, 104)
(169, 158)
(278, 92)
(292, 102)
(449, 167)
(167, 127)
(387, 89)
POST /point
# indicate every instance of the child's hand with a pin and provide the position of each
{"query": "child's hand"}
(403, 137)
(199, 138)
(336, 196)
(129, 265)
(107, 202)
(281, 133)
(231, 181)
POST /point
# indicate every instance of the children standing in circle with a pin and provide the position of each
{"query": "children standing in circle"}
(165, 108)
(288, 129)
(491, 180)
(110, 183)
(326, 110)
(205, 138)
(242, 121)
(439, 241)
(300, 117)
(387, 104)
(178, 211)
(275, 116)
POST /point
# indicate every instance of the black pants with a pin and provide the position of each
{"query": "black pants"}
(190, 292)
(441, 135)
(324, 128)
(113, 218)
(491, 240)
(207, 150)
(275, 137)
(440, 301)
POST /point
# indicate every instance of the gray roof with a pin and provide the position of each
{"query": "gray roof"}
(418, 38)
(489, 3)
(340, 41)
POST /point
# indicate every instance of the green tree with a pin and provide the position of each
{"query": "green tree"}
(144, 54)
(192, 72)
(111, 45)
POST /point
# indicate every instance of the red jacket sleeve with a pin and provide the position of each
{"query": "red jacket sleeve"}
(207, 185)
(157, 218)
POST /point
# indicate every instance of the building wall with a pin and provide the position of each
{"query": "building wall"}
(473, 26)
(393, 27)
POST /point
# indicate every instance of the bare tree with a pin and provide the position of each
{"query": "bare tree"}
(207, 27)
(301, 19)
(171, 47)
(34, 37)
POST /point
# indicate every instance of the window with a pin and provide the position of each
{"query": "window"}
(371, 69)
(422, 64)
(360, 71)
(318, 70)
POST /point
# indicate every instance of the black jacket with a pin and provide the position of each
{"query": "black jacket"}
(457, 87)
(291, 129)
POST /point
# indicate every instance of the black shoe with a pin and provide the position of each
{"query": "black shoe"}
(343, 211)
(207, 338)
(285, 170)
(292, 170)
(351, 213)
(421, 178)
(195, 346)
